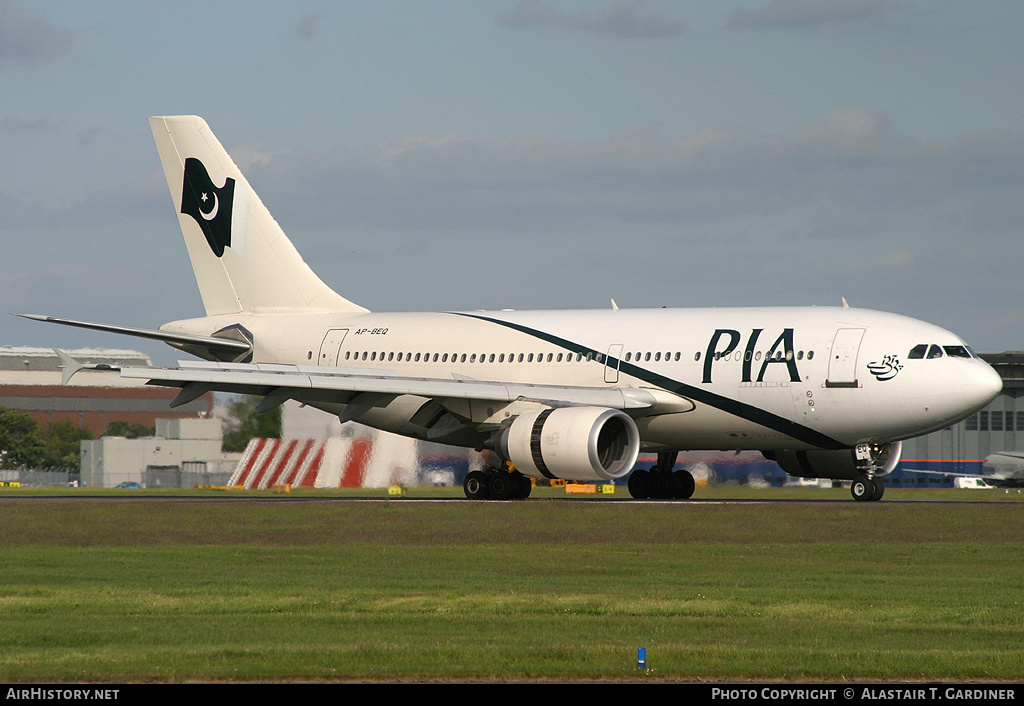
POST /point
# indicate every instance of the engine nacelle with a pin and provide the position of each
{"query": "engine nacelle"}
(839, 465)
(574, 443)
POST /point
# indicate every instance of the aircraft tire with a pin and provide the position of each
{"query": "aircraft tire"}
(639, 484)
(685, 485)
(523, 486)
(476, 486)
(879, 489)
(665, 484)
(862, 488)
(503, 486)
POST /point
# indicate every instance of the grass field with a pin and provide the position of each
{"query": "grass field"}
(120, 589)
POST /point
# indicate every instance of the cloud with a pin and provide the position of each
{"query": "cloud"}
(25, 37)
(142, 198)
(41, 124)
(618, 19)
(847, 161)
(847, 175)
(806, 13)
(308, 27)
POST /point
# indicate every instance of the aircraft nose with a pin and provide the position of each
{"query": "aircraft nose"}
(980, 385)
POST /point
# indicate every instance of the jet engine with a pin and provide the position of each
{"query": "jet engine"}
(574, 443)
(839, 465)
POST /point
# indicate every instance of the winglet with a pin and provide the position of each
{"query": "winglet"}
(68, 365)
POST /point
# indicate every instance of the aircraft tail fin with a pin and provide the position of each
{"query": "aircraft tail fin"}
(241, 257)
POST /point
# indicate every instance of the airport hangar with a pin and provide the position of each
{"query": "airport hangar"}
(30, 382)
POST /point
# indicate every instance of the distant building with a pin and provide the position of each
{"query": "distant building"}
(183, 454)
(30, 381)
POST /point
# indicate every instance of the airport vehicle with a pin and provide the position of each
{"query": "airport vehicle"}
(826, 392)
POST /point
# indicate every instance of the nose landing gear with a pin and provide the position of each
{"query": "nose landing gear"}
(866, 488)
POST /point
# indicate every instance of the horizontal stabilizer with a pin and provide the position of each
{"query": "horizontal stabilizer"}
(209, 347)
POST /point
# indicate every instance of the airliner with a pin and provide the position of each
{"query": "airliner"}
(1003, 469)
(826, 392)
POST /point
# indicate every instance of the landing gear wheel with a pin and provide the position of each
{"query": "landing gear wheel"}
(863, 488)
(665, 484)
(523, 486)
(503, 486)
(879, 488)
(476, 486)
(639, 484)
(685, 485)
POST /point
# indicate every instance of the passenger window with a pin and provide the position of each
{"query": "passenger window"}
(917, 352)
(934, 352)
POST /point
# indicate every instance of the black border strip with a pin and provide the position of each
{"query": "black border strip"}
(535, 450)
(735, 407)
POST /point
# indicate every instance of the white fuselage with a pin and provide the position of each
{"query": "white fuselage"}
(730, 378)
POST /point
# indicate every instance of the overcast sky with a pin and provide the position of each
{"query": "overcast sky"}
(522, 154)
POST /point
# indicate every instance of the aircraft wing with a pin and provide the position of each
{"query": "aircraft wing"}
(1000, 469)
(264, 379)
(277, 383)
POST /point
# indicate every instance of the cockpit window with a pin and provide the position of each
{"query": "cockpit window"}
(957, 351)
(918, 351)
(923, 350)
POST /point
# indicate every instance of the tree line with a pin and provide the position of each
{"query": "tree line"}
(25, 443)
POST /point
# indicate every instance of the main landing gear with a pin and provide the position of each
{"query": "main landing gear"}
(866, 488)
(494, 484)
(661, 481)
